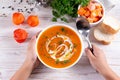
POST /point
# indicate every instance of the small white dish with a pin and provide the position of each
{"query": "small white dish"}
(99, 21)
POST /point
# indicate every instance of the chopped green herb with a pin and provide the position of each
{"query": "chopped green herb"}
(64, 19)
(70, 51)
(54, 19)
(50, 46)
(45, 37)
(66, 55)
(60, 42)
(75, 45)
(66, 61)
(57, 61)
(57, 33)
(46, 56)
(62, 29)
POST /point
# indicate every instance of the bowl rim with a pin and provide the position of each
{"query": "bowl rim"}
(102, 16)
(77, 33)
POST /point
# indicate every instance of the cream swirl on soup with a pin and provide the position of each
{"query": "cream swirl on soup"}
(60, 47)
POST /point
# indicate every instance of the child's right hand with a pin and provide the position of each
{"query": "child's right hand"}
(99, 62)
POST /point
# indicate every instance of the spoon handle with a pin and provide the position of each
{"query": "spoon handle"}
(89, 45)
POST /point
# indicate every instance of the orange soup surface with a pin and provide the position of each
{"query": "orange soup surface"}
(59, 47)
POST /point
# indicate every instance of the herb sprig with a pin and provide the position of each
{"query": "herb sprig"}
(66, 7)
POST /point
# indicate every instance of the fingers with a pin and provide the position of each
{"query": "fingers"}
(37, 34)
(96, 50)
(89, 54)
(32, 42)
(33, 39)
(95, 47)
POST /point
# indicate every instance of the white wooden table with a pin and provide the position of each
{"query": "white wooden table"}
(12, 54)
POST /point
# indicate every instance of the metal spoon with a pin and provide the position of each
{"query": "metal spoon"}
(83, 27)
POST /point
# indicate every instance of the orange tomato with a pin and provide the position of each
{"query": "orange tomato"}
(33, 20)
(20, 35)
(18, 18)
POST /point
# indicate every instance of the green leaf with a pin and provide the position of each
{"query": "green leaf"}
(56, 14)
(66, 61)
(54, 19)
(64, 19)
(57, 61)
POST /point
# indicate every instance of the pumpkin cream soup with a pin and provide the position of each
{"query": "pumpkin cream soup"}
(59, 47)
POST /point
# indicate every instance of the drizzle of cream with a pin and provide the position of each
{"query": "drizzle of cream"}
(66, 53)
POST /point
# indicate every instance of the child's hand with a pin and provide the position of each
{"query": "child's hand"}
(29, 64)
(98, 60)
(31, 53)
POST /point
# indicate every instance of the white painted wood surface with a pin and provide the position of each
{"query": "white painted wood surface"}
(13, 54)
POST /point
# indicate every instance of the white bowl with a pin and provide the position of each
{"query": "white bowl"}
(96, 23)
(72, 30)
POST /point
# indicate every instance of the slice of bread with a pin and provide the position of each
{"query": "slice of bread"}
(111, 25)
(103, 36)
